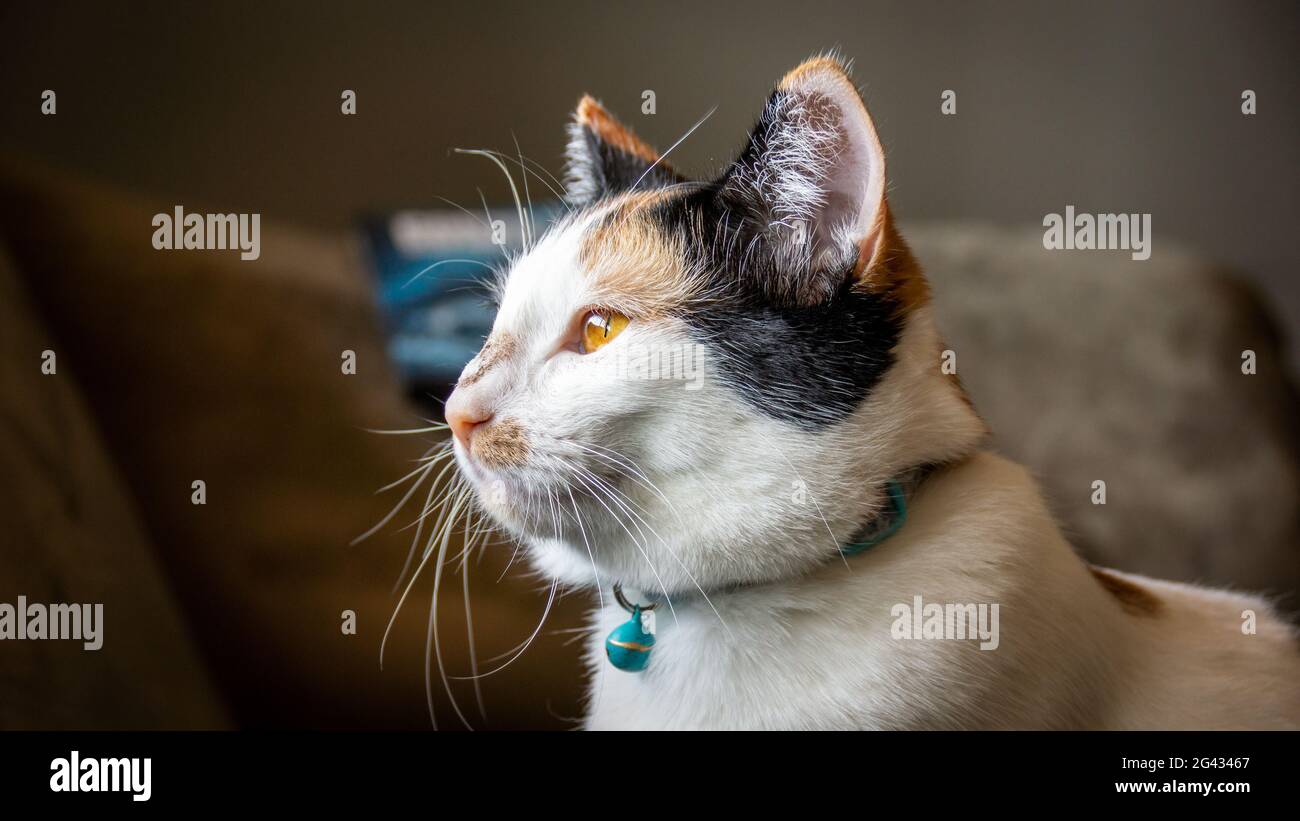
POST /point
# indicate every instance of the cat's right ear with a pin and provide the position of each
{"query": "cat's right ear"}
(605, 157)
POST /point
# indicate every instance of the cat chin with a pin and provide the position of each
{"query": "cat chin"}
(507, 510)
(513, 504)
(503, 497)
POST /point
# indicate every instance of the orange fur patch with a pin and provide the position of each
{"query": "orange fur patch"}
(592, 115)
(1135, 599)
(500, 444)
(634, 267)
(806, 70)
(888, 269)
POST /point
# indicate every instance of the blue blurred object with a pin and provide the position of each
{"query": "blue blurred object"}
(431, 270)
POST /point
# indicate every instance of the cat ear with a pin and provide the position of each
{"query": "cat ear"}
(810, 185)
(604, 157)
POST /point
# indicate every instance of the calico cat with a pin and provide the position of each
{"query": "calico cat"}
(823, 421)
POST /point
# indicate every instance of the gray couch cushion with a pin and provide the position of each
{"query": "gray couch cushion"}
(1091, 365)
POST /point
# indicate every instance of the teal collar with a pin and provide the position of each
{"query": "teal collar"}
(628, 646)
(892, 522)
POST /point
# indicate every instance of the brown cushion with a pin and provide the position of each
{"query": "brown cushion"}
(69, 530)
(198, 365)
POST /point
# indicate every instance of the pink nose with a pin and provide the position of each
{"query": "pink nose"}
(464, 414)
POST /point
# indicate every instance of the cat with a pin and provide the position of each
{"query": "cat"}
(823, 414)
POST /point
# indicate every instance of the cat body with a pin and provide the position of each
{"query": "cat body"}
(1077, 648)
(724, 501)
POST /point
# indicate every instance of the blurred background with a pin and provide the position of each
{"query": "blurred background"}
(183, 367)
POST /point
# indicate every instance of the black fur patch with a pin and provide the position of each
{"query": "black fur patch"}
(811, 366)
(613, 171)
(807, 364)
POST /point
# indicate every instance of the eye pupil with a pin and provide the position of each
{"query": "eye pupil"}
(599, 327)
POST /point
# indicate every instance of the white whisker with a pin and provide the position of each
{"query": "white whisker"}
(680, 140)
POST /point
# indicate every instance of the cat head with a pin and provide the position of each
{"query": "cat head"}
(692, 384)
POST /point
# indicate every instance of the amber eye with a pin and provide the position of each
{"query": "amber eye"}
(600, 327)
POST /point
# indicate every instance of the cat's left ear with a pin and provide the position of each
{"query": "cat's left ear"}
(810, 186)
(604, 157)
